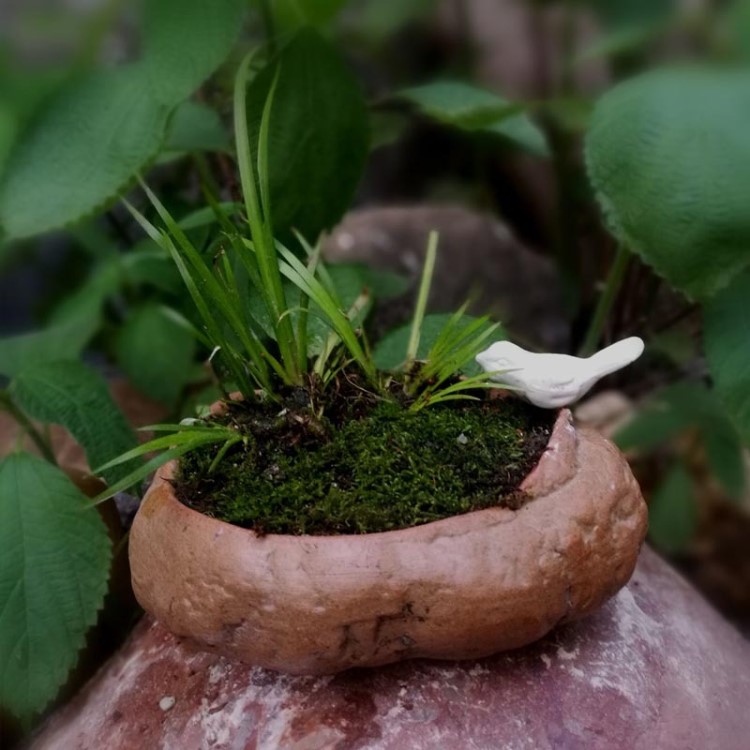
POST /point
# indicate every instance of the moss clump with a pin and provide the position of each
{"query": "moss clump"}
(387, 469)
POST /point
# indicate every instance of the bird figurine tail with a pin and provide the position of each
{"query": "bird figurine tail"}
(617, 355)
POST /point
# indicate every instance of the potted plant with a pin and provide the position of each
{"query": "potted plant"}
(387, 514)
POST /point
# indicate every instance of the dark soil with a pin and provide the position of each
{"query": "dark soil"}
(349, 462)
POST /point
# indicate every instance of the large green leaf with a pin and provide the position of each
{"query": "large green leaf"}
(477, 111)
(156, 353)
(318, 136)
(22, 89)
(672, 512)
(185, 41)
(89, 142)
(54, 563)
(727, 342)
(77, 397)
(196, 127)
(82, 149)
(668, 155)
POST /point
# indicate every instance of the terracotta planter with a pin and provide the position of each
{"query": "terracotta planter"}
(463, 587)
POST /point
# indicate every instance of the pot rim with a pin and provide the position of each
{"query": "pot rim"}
(543, 477)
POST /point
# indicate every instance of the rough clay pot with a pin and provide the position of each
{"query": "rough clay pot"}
(460, 588)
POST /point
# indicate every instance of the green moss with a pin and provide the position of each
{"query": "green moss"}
(388, 469)
(383, 468)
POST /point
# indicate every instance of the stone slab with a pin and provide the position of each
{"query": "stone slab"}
(655, 669)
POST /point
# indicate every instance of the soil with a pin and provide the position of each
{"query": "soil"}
(347, 461)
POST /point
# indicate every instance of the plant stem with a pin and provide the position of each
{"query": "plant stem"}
(603, 307)
(7, 405)
(207, 179)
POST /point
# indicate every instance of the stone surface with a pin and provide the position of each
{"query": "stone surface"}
(461, 587)
(477, 256)
(655, 669)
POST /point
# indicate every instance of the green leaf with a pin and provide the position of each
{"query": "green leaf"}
(726, 458)
(673, 513)
(8, 130)
(196, 127)
(75, 396)
(727, 343)
(319, 294)
(54, 563)
(477, 111)
(185, 41)
(387, 128)
(390, 352)
(669, 159)
(318, 134)
(88, 299)
(665, 415)
(60, 341)
(81, 151)
(350, 280)
(156, 353)
(377, 20)
(290, 14)
(88, 143)
(206, 216)
(147, 264)
(632, 13)
(621, 41)
(384, 285)
(681, 407)
(735, 20)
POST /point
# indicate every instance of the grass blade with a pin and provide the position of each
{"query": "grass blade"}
(424, 292)
(300, 276)
(260, 228)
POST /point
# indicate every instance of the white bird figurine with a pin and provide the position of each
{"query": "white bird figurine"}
(555, 380)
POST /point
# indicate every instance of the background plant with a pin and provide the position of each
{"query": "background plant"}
(303, 159)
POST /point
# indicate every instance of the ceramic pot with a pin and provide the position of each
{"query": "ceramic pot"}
(460, 588)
